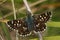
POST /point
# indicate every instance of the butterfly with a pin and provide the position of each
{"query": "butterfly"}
(21, 26)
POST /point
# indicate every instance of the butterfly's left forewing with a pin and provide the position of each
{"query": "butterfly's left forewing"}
(19, 25)
(40, 20)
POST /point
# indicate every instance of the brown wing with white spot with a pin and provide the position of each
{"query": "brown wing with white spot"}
(40, 20)
(19, 25)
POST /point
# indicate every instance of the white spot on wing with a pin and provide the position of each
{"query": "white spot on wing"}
(18, 21)
(19, 24)
(10, 28)
(46, 14)
(29, 34)
(40, 16)
(12, 22)
(21, 35)
(8, 25)
(44, 17)
(37, 25)
(24, 28)
(14, 30)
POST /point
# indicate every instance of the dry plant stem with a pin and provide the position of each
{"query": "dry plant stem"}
(40, 36)
(27, 6)
(14, 11)
(17, 38)
(1, 37)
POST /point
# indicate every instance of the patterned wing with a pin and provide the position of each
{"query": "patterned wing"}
(40, 20)
(19, 25)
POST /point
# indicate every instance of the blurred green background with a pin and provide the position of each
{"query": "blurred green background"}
(53, 31)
